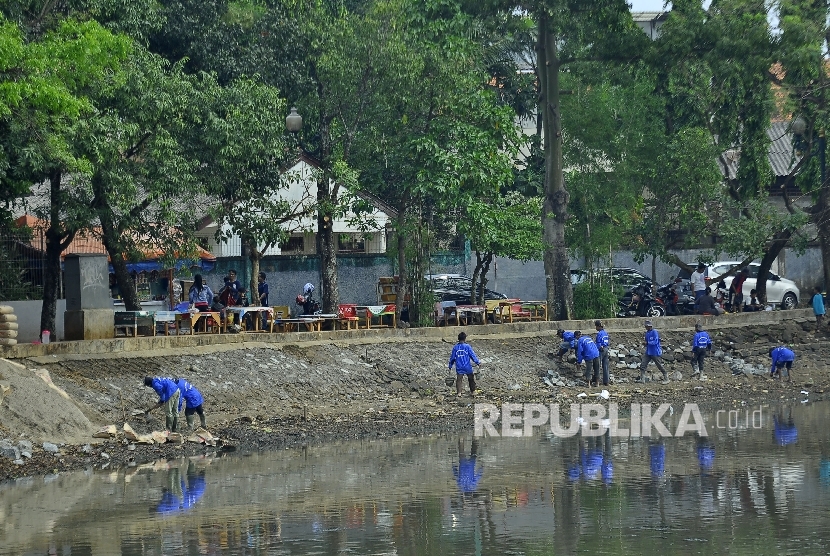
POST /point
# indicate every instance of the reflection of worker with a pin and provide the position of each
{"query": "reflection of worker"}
(179, 496)
(785, 431)
(594, 461)
(466, 473)
(824, 472)
(705, 454)
(657, 459)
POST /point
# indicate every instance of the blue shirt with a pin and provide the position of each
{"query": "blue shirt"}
(586, 349)
(818, 304)
(602, 338)
(702, 340)
(781, 355)
(201, 296)
(189, 394)
(262, 288)
(569, 337)
(463, 356)
(653, 343)
(164, 387)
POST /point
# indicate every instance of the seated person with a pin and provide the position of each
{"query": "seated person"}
(754, 304)
(706, 304)
(217, 306)
(243, 302)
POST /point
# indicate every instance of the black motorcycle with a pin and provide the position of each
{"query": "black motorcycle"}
(677, 297)
(641, 304)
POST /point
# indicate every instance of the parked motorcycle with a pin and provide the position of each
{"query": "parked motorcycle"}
(642, 304)
(677, 297)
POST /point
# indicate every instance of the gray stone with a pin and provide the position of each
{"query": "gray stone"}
(86, 448)
(9, 451)
(49, 447)
(24, 445)
(26, 454)
(18, 462)
(676, 375)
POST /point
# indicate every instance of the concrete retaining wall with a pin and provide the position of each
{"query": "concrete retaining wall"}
(28, 319)
(529, 329)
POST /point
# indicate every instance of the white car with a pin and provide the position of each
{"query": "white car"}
(779, 290)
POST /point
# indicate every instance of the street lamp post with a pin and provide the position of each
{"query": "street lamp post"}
(325, 242)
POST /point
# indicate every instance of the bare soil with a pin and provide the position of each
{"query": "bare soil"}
(276, 396)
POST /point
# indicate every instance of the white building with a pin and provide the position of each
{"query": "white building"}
(364, 235)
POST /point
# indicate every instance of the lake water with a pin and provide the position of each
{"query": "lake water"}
(746, 490)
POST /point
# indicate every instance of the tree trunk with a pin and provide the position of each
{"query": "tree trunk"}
(255, 256)
(54, 248)
(327, 248)
(110, 235)
(326, 245)
(821, 216)
(555, 205)
(403, 286)
(779, 242)
(488, 259)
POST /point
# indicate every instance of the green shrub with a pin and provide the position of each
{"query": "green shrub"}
(594, 301)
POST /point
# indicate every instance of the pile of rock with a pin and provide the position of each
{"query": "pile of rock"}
(22, 450)
(8, 326)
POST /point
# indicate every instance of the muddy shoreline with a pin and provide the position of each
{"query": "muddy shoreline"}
(277, 397)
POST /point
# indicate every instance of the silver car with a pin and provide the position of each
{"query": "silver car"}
(779, 290)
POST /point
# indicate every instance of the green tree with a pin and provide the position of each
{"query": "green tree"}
(43, 100)
(243, 151)
(143, 186)
(805, 82)
(439, 138)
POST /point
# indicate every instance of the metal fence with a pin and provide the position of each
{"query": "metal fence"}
(21, 266)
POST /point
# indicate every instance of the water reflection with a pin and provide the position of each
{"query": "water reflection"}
(594, 460)
(785, 431)
(466, 473)
(705, 453)
(735, 491)
(180, 496)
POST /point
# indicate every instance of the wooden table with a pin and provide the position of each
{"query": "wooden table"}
(241, 311)
(506, 310)
(467, 311)
(538, 309)
(164, 318)
(380, 311)
(132, 320)
(192, 320)
(311, 323)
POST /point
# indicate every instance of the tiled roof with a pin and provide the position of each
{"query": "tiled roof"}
(88, 242)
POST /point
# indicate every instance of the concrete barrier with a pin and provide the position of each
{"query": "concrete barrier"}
(448, 333)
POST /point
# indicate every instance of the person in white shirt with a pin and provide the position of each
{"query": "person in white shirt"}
(698, 281)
